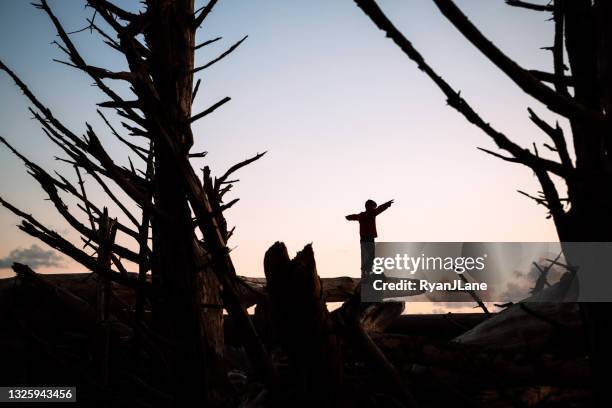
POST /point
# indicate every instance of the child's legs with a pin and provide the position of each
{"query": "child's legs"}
(367, 256)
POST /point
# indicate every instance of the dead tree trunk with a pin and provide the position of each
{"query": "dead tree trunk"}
(171, 41)
(303, 323)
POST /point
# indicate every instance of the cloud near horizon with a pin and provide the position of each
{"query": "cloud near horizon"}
(34, 256)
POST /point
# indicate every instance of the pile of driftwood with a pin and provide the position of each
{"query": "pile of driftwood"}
(79, 329)
(160, 337)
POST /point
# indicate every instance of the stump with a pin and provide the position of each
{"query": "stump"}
(303, 323)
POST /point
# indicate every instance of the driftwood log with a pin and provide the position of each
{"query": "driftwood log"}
(299, 313)
(254, 290)
(537, 323)
(479, 366)
(528, 326)
(55, 324)
(531, 346)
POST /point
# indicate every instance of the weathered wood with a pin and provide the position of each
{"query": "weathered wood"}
(143, 243)
(435, 326)
(62, 323)
(212, 306)
(52, 286)
(535, 326)
(348, 319)
(303, 323)
(486, 366)
(376, 317)
(253, 290)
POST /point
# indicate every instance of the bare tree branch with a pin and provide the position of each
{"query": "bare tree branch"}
(204, 13)
(553, 200)
(78, 60)
(34, 228)
(111, 8)
(43, 109)
(559, 65)
(90, 216)
(210, 109)
(101, 72)
(556, 102)
(500, 156)
(538, 200)
(236, 167)
(205, 43)
(530, 6)
(229, 205)
(196, 89)
(551, 77)
(454, 98)
(92, 146)
(49, 186)
(220, 57)
(557, 136)
(140, 151)
(111, 42)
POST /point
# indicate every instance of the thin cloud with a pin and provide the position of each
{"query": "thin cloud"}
(33, 256)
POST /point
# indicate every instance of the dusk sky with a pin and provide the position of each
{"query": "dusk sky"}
(343, 113)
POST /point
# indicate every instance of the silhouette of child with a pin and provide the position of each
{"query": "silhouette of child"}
(367, 232)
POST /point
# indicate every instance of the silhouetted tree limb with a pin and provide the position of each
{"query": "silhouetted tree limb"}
(207, 42)
(557, 136)
(195, 89)
(552, 78)
(205, 11)
(454, 98)
(475, 296)
(139, 151)
(49, 186)
(75, 146)
(220, 57)
(224, 178)
(553, 200)
(560, 80)
(210, 109)
(527, 82)
(111, 8)
(101, 72)
(33, 227)
(530, 6)
(108, 40)
(499, 156)
(78, 61)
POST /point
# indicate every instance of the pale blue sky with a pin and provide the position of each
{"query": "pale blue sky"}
(344, 115)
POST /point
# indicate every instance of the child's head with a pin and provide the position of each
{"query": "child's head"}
(370, 205)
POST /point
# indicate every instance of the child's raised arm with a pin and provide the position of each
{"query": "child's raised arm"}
(384, 206)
